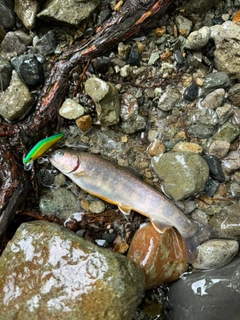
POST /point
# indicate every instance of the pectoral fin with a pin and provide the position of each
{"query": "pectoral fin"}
(125, 209)
(160, 227)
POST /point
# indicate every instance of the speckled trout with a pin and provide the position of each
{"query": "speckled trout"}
(119, 186)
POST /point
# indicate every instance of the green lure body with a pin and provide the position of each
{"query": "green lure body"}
(41, 147)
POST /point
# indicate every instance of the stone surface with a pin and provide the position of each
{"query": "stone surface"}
(202, 122)
(16, 99)
(169, 99)
(47, 44)
(26, 11)
(5, 73)
(219, 148)
(214, 81)
(162, 257)
(227, 132)
(84, 123)
(12, 45)
(184, 25)
(7, 16)
(71, 12)
(183, 173)
(47, 272)
(214, 99)
(188, 146)
(198, 39)
(234, 94)
(70, 109)
(106, 98)
(211, 295)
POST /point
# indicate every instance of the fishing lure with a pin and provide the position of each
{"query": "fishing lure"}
(41, 147)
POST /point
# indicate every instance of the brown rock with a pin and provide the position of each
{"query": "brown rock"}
(162, 257)
(84, 123)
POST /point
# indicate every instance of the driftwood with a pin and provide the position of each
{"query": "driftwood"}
(16, 184)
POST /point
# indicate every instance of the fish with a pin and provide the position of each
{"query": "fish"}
(119, 186)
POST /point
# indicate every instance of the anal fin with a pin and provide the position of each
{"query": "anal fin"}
(125, 209)
(160, 227)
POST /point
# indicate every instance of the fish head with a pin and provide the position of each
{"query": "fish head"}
(65, 160)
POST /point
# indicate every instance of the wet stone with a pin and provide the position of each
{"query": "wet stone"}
(16, 100)
(123, 50)
(202, 123)
(183, 173)
(214, 81)
(198, 39)
(206, 289)
(169, 99)
(182, 62)
(57, 274)
(215, 167)
(7, 16)
(153, 58)
(5, 73)
(101, 64)
(156, 148)
(29, 68)
(224, 112)
(47, 44)
(211, 187)
(84, 123)
(161, 256)
(12, 45)
(234, 94)
(27, 12)
(58, 202)
(134, 59)
(214, 99)
(188, 146)
(184, 25)
(68, 12)
(191, 92)
(227, 132)
(97, 206)
(70, 109)
(217, 20)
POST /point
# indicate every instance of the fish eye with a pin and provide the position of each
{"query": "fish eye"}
(59, 153)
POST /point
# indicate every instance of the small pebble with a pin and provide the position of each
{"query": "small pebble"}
(191, 92)
(156, 148)
(219, 148)
(198, 39)
(214, 99)
(188, 146)
(84, 123)
(97, 206)
(210, 187)
(215, 167)
(101, 64)
(133, 58)
(70, 109)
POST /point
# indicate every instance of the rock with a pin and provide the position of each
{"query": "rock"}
(198, 39)
(198, 7)
(227, 60)
(47, 44)
(29, 68)
(133, 125)
(215, 253)
(123, 50)
(106, 98)
(84, 123)
(56, 274)
(224, 112)
(156, 148)
(234, 94)
(202, 123)
(162, 257)
(219, 148)
(183, 173)
(101, 64)
(182, 62)
(203, 296)
(58, 202)
(231, 163)
(70, 109)
(24, 37)
(134, 59)
(97, 206)
(7, 16)
(169, 99)
(153, 58)
(217, 21)
(12, 45)
(215, 168)
(191, 92)
(16, 100)
(188, 146)
(71, 12)
(214, 81)
(5, 73)
(214, 99)
(211, 187)
(227, 132)
(183, 25)
(26, 11)
(226, 223)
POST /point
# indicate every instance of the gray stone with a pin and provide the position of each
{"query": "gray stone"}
(211, 295)
(184, 25)
(58, 202)
(153, 58)
(183, 173)
(214, 99)
(227, 132)
(16, 100)
(48, 272)
(26, 11)
(224, 113)
(198, 39)
(215, 253)
(70, 109)
(7, 16)
(234, 94)
(12, 45)
(71, 12)
(106, 99)
(214, 81)
(169, 99)
(47, 44)
(231, 163)
(5, 73)
(219, 148)
(226, 59)
(97, 206)
(202, 122)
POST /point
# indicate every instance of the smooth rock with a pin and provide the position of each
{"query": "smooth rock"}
(24, 37)
(227, 132)
(214, 99)
(134, 59)
(123, 50)
(29, 68)
(7, 16)
(227, 60)
(202, 122)
(234, 94)
(183, 173)
(215, 253)
(214, 81)
(188, 146)
(84, 123)
(215, 167)
(16, 99)
(162, 257)
(133, 125)
(106, 99)
(58, 202)
(169, 99)
(153, 58)
(191, 92)
(70, 109)
(48, 272)
(211, 295)
(26, 11)
(227, 222)
(97, 206)
(70, 12)
(219, 148)
(47, 44)
(156, 148)
(5, 73)
(12, 45)
(198, 39)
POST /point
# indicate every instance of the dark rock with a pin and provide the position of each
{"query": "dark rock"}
(47, 44)
(13, 45)
(5, 73)
(210, 187)
(215, 167)
(101, 64)
(217, 20)
(133, 58)
(191, 92)
(212, 295)
(7, 16)
(234, 94)
(29, 68)
(214, 81)
(104, 14)
(182, 62)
